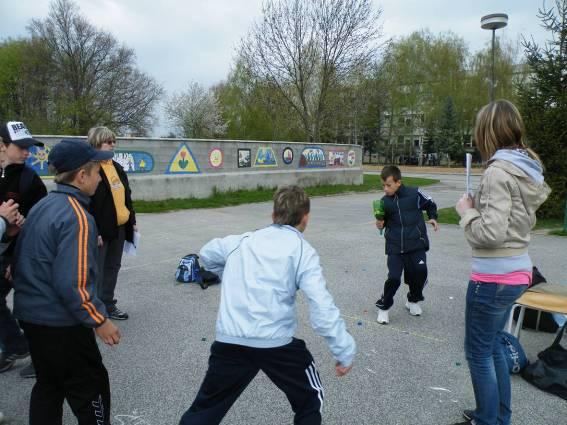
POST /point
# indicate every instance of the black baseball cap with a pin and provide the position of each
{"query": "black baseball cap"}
(70, 154)
(17, 133)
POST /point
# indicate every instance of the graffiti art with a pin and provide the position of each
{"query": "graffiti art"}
(183, 162)
(134, 161)
(312, 157)
(336, 158)
(287, 156)
(265, 157)
(38, 159)
(216, 158)
(351, 158)
(244, 158)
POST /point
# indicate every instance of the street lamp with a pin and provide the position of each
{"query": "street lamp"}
(493, 22)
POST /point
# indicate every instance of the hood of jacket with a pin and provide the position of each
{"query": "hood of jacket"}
(528, 173)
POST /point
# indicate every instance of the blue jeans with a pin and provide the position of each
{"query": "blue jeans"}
(488, 308)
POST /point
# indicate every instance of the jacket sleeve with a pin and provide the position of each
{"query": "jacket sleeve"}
(37, 191)
(323, 313)
(74, 267)
(486, 224)
(213, 254)
(426, 203)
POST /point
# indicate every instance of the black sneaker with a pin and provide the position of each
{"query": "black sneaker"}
(468, 414)
(7, 361)
(116, 314)
(28, 371)
(464, 423)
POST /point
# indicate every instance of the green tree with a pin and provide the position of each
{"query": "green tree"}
(543, 102)
(92, 78)
(450, 142)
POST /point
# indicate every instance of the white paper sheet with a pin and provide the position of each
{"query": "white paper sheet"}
(131, 247)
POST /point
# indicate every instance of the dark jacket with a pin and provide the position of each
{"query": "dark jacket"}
(10, 189)
(55, 267)
(103, 210)
(405, 227)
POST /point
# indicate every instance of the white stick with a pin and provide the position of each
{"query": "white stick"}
(468, 161)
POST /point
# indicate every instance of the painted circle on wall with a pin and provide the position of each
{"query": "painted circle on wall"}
(287, 156)
(216, 157)
(351, 159)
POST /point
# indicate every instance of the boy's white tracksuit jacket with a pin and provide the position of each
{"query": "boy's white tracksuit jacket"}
(261, 274)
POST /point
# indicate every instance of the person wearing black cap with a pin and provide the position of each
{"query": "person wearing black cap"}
(55, 299)
(17, 141)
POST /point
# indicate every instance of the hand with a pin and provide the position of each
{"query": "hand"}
(379, 224)
(14, 229)
(8, 273)
(99, 241)
(464, 204)
(342, 370)
(135, 228)
(9, 210)
(108, 333)
(434, 223)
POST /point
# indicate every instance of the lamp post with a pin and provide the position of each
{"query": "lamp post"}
(493, 22)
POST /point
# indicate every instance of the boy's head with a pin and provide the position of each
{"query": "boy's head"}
(76, 163)
(391, 179)
(291, 207)
(17, 140)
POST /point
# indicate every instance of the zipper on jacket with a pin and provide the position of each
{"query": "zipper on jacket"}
(401, 222)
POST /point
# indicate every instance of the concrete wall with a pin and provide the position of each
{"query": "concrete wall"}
(181, 168)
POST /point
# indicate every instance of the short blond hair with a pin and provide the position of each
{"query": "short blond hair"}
(499, 125)
(291, 203)
(67, 177)
(99, 135)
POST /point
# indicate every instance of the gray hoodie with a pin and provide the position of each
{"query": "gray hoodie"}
(511, 190)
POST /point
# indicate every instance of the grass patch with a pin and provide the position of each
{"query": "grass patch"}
(370, 182)
(450, 216)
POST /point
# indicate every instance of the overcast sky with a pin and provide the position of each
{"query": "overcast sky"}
(178, 41)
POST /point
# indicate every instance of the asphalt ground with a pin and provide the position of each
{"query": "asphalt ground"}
(412, 371)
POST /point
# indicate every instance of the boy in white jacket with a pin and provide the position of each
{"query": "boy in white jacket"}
(261, 274)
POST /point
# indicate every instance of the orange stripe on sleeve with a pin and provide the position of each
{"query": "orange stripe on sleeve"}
(82, 269)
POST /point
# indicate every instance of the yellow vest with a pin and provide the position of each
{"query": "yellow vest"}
(118, 192)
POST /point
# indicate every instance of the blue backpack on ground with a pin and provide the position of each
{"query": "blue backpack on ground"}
(513, 351)
(189, 270)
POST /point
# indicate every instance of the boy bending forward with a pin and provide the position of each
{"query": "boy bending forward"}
(261, 274)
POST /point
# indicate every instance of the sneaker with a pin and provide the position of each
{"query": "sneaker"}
(383, 317)
(6, 362)
(465, 423)
(116, 314)
(414, 308)
(28, 371)
(468, 414)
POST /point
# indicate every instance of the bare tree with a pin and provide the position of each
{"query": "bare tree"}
(306, 47)
(195, 113)
(94, 78)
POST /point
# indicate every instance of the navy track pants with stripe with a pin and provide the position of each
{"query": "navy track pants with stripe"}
(232, 367)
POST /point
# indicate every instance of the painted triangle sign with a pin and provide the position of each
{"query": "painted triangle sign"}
(183, 162)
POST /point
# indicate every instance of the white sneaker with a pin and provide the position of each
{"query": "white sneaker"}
(383, 317)
(414, 308)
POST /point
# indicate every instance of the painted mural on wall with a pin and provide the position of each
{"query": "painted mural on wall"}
(351, 158)
(38, 159)
(135, 161)
(265, 157)
(336, 158)
(312, 157)
(183, 162)
(216, 158)
(244, 158)
(287, 156)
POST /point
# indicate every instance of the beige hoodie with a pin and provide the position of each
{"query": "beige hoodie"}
(504, 211)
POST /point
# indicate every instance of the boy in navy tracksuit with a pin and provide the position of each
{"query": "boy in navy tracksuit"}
(406, 240)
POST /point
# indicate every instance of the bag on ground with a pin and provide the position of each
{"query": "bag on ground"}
(549, 372)
(513, 351)
(190, 271)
